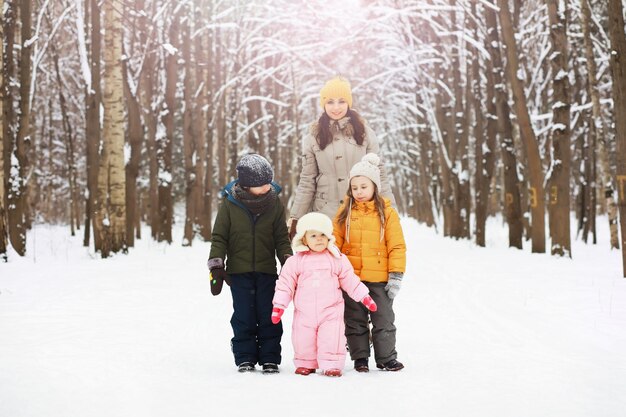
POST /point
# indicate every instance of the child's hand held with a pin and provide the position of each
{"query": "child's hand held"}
(369, 303)
(277, 313)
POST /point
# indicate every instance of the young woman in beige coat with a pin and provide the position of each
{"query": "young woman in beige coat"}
(337, 141)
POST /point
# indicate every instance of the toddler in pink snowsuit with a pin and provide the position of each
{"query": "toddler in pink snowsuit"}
(314, 279)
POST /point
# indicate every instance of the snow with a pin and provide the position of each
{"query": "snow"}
(482, 332)
(169, 48)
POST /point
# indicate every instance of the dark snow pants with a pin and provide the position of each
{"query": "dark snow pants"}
(383, 328)
(256, 339)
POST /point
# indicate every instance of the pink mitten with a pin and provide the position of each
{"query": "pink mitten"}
(277, 313)
(369, 303)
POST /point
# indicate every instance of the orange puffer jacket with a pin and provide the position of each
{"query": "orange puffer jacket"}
(373, 256)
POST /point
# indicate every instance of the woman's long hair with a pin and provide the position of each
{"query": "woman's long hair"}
(324, 136)
(379, 203)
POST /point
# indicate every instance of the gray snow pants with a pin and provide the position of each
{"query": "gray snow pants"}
(383, 329)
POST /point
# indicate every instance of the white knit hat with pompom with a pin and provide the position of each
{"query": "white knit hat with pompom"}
(368, 167)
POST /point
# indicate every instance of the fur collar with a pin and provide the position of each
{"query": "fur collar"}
(342, 125)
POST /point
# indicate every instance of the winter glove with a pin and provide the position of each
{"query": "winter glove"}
(393, 285)
(369, 303)
(218, 275)
(277, 313)
(291, 225)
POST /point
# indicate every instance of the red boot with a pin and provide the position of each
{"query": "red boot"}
(304, 371)
(332, 372)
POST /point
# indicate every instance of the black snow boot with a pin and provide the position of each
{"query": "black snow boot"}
(360, 365)
(246, 367)
(270, 368)
(392, 365)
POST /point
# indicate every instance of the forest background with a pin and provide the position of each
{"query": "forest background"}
(114, 111)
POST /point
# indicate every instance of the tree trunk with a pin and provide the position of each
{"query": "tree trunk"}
(484, 141)
(201, 54)
(3, 218)
(111, 176)
(424, 201)
(150, 113)
(618, 70)
(165, 144)
(598, 127)
(189, 140)
(537, 199)
(135, 140)
(18, 190)
(93, 97)
(207, 193)
(461, 137)
(559, 214)
(69, 144)
(512, 199)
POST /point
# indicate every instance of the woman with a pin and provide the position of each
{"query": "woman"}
(337, 141)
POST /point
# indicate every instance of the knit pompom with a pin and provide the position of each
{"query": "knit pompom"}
(372, 158)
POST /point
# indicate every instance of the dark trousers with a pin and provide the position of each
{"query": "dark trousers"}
(256, 339)
(383, 328)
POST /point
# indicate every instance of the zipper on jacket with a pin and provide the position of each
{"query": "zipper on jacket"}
(253, 218)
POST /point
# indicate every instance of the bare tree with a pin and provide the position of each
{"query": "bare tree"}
(166, 138)
(537, 199)
(598, 126)
(93, 97)
(512, 201)
(558, 180)
(3, 223)
(111, 207)
(618, 69)
(18, 191)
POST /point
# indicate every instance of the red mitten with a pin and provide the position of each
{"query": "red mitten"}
(369, 303)
(277, 313)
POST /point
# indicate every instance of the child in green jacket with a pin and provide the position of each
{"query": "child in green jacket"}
(248, 233)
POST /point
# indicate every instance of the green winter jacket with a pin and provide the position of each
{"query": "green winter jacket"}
(245, 243)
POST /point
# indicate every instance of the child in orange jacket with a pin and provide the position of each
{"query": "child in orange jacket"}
(367, 230)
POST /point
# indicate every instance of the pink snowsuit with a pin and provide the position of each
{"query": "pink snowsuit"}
(314, 280)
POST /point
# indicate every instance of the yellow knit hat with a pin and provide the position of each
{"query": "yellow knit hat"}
(337, 87)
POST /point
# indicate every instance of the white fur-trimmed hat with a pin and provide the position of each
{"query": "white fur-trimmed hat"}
(368, 167)
(318, 222)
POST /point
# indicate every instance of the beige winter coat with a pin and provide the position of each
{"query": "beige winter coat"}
(325, 174)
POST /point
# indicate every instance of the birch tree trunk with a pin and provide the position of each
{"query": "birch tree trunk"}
(535, 169)
(559, 191)
(3, 218)
(598, 126)
(111, 176)
(618, 69)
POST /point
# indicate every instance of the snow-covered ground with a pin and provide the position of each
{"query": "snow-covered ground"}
(483, 332)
